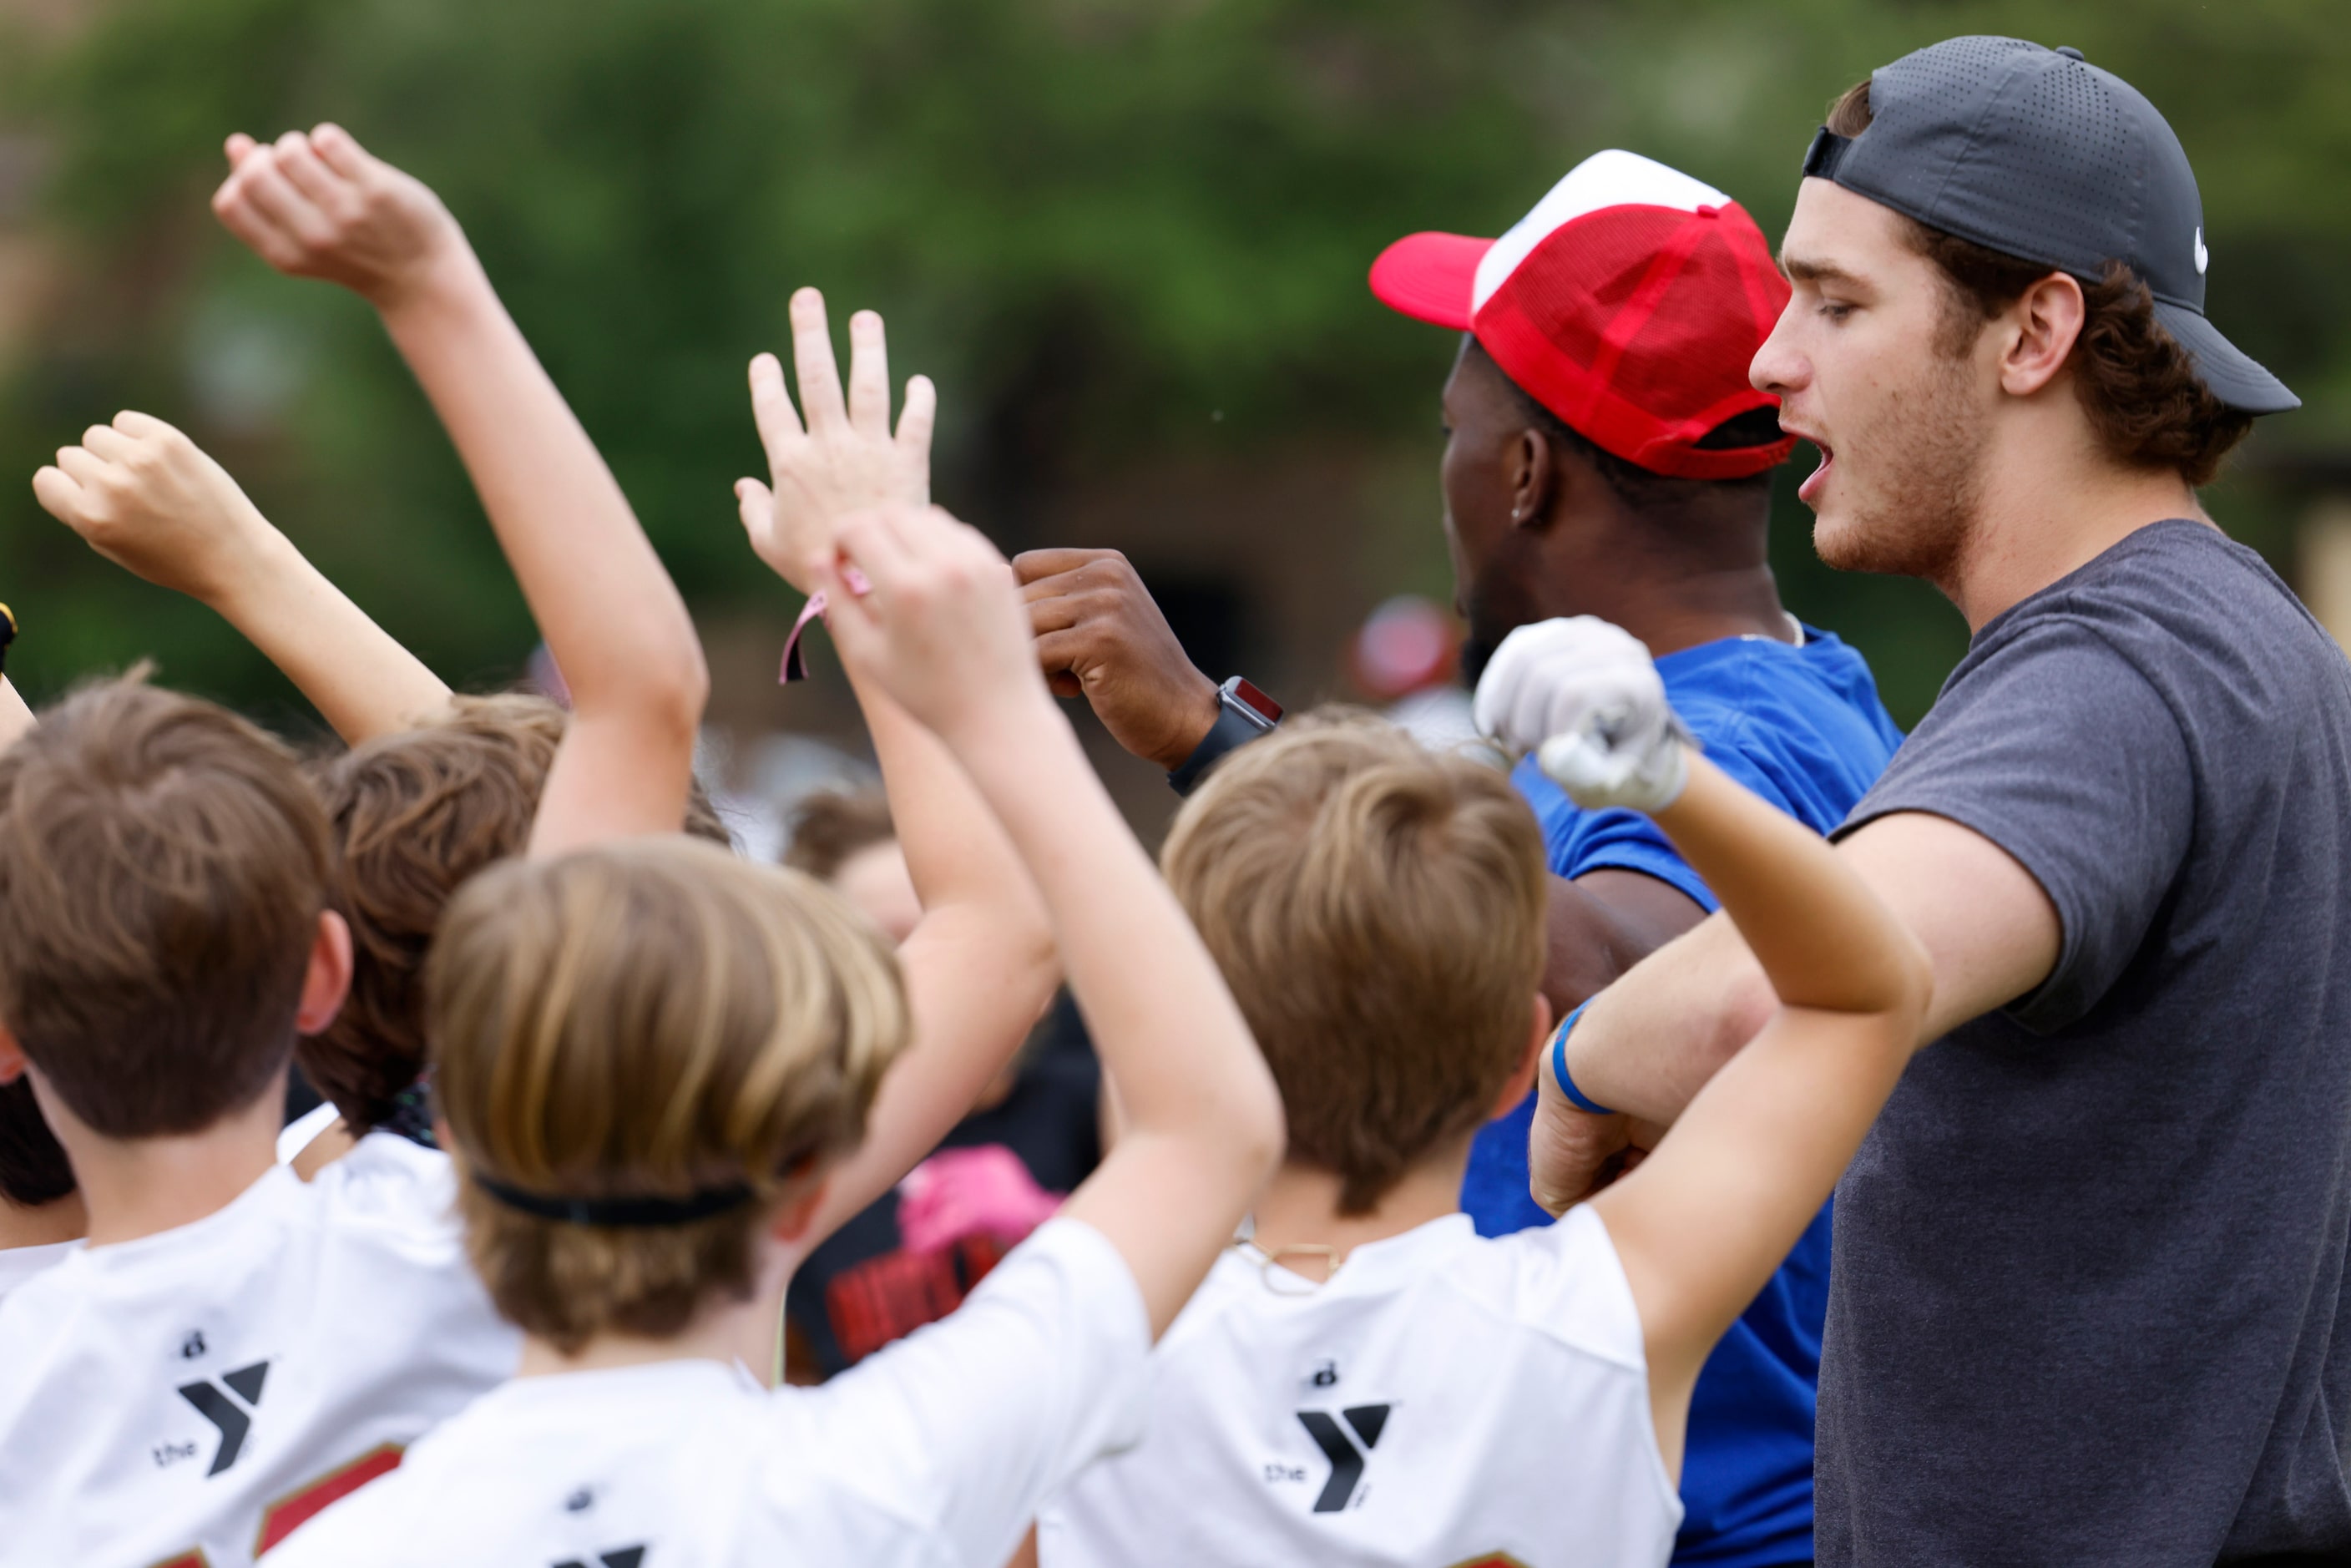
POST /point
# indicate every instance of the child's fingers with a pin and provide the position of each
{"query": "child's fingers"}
(237, 146)
(868, 375)
(771, 406)
(106, 441)
(877, 544)
(308, 173)
(261, 236)
(144, 426)
(756, 506)
(850, 616)
(274, 197)
(85, 467)
(812, 360)
(341, 151)
(917, 420)
(59, 494)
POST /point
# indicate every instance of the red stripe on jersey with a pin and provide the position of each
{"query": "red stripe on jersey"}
(299, 1507)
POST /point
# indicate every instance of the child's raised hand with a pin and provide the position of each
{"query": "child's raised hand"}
(319, 205)
(845, 458)
(149, 499)
(938, 624)
(1586, 697)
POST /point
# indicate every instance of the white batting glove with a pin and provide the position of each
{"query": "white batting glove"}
(1586, 697)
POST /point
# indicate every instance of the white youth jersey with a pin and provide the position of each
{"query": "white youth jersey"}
(1444, 1399)
(18, 1264)
(935, 1451)
(189, 1397)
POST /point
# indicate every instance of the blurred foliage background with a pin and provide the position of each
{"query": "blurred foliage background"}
(1128, 237)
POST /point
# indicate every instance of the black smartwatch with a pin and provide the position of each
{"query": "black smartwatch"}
(1243, 714)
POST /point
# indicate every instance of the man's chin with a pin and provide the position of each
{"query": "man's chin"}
(1891, 547)
(1841, 541)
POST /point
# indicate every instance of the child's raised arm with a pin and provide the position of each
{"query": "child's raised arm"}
(943, 631)
(320, 206)
(979, 965)
(147, 498)
(1704, 1222)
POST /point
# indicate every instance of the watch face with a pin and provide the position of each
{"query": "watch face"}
(1255, 701)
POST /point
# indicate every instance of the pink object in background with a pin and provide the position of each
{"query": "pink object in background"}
(1408, 644)
(962, 1192)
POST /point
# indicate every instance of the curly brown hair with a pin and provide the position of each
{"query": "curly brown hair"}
(415, 816)
(2137, 386)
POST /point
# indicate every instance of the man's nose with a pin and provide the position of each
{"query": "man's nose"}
(1777, 366)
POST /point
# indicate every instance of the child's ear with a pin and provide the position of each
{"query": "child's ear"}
(790, 1223)
(1522, 1077)
(328, 978)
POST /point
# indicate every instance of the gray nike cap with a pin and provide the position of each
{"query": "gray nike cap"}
(2037, 154)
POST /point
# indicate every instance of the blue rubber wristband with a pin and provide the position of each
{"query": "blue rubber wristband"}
(1575, 1096)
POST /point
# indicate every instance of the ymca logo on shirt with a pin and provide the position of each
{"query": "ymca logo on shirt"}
(1346, 1440)
(621, 1557)
(229, 1402)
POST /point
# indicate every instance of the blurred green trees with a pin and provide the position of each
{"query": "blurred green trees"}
(1108, 228)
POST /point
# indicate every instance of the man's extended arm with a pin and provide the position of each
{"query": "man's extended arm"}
(1652, 1040)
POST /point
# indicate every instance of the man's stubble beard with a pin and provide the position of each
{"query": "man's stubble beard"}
(1933, 438)
(1496, 605)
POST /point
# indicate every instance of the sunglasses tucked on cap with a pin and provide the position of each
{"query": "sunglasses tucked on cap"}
(2037, 154)
(1629, 303)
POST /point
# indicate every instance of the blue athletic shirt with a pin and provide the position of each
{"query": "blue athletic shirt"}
(1803, 728)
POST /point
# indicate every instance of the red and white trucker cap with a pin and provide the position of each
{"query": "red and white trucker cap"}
(1629, 303)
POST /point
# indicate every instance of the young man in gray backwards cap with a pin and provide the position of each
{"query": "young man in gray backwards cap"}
(2087, 1300)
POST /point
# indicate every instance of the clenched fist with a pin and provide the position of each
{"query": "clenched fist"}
(319, 205)
(149, 499)
(1099, 634)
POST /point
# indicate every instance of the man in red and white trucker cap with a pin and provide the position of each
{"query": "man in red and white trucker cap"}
(1623, 303)
(1606, 456)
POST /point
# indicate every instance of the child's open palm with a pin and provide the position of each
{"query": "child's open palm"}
(845, 459)
(319, 205)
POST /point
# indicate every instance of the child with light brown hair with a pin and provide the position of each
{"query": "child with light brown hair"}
(653, 1062)
(1365, 1380)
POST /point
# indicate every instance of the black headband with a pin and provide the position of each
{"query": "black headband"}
(621, 1213)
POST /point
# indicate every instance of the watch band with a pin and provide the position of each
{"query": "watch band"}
(1243, 714)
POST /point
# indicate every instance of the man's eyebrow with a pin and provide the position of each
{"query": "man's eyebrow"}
(1805, 269)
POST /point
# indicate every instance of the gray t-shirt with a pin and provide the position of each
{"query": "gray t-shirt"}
(2087, 1303)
